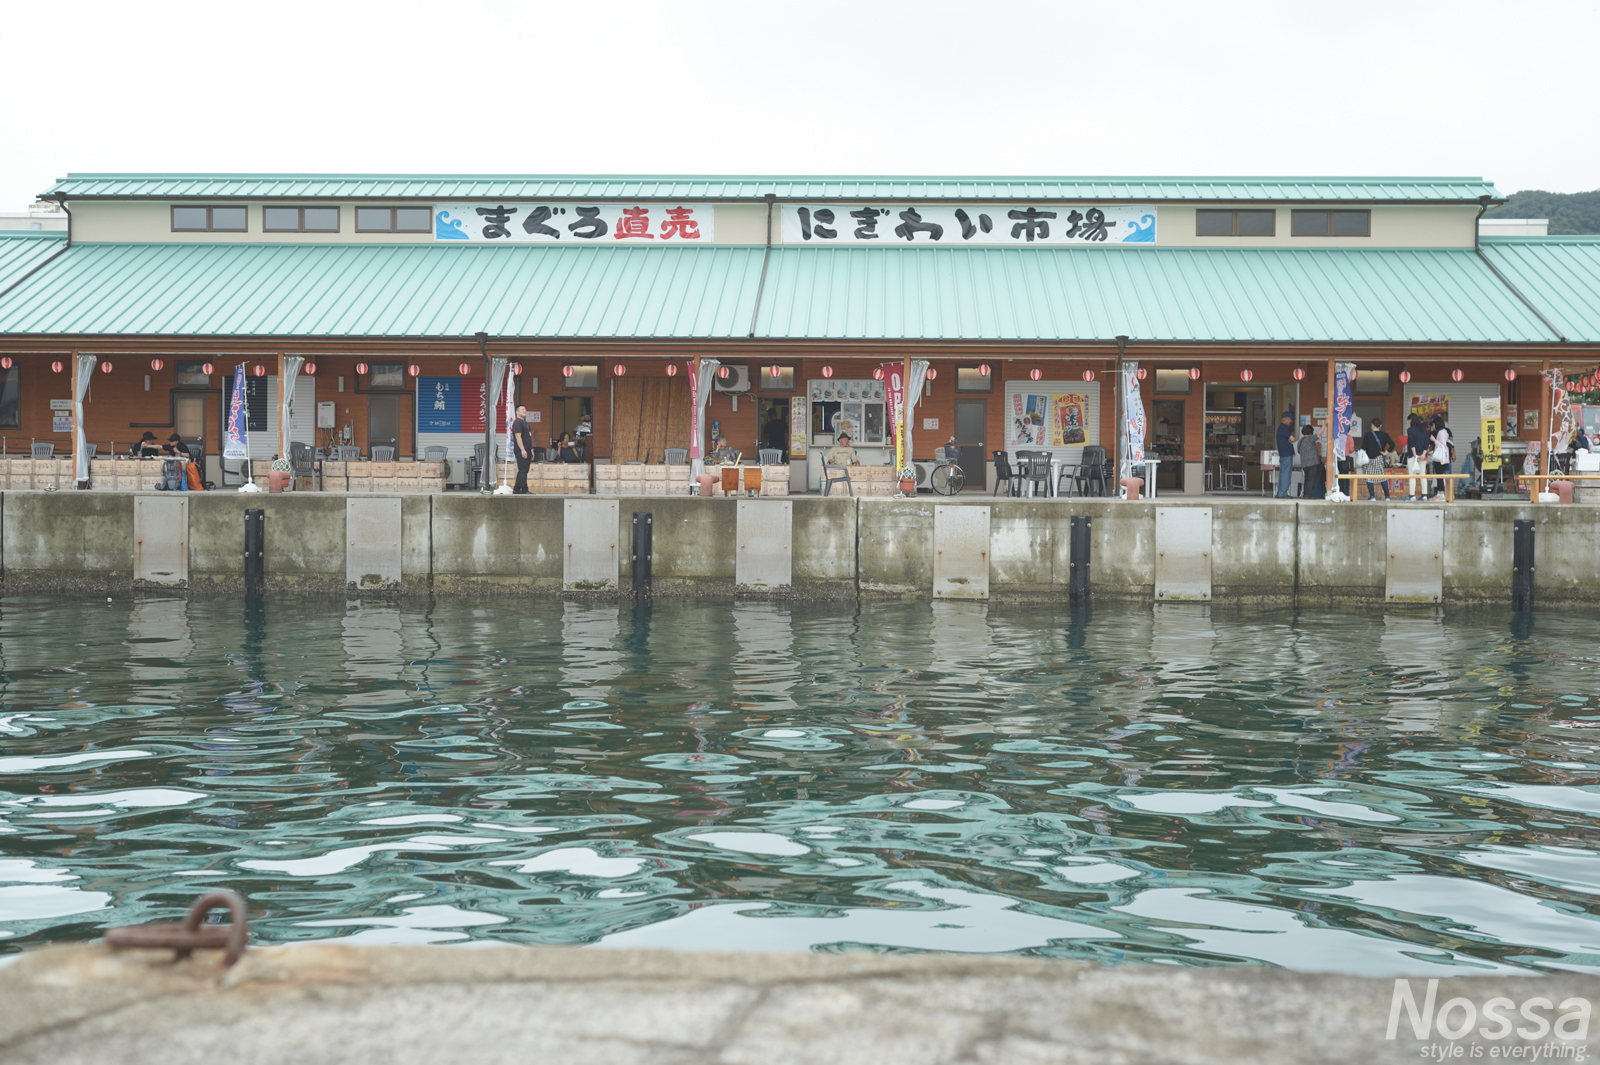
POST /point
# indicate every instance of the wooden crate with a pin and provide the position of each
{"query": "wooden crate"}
(428, 470)
(384, 470)
(331, 468)
(126, 482)
(339, 483)
(382, 486)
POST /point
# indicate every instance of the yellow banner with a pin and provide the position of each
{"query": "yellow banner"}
(1490, 434)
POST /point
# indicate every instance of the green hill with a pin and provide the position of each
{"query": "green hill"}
(1569, 212)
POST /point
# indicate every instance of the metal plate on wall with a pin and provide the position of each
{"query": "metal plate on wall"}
(161, 539)
(589, 552)
(372, 543)
(960, 552)
(1415, 573)
(764, 556)
(1183, 553)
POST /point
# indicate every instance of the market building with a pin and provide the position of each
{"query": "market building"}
(1234, 297)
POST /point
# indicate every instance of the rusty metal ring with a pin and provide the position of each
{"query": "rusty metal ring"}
(238, 931)
(183, 939)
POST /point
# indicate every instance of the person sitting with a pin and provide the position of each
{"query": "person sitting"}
(1311, 464)
(146, 448)
(841, 453)
(722, 454)
(566, 450)
(176, 448)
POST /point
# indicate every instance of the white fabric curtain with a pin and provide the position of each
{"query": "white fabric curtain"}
(511, 410)
(497, 376)
(697, 435)
(80, 448)
(291, 370)
(919, 378)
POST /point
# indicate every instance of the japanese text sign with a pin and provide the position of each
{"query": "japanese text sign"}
(957, 224)
(572, 223)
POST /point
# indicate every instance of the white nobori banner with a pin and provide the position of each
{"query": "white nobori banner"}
(575, 223)
(958, 224)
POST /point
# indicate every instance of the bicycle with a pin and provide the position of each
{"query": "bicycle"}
(946, 477)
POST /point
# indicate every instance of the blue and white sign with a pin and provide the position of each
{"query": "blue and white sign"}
(960, 224)
(236, 439)
(439, 404)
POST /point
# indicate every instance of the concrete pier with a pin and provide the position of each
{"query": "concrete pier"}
(1245, 549)
(333, 1004)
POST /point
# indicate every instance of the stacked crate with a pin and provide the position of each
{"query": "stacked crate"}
(334, 477)
(430, 477)
(358, 476)
(678, 480)
(655, 480)
(607, 479)
(383, 477)
(874, 481)
(16, 473)
(630, 480)
(775, 480)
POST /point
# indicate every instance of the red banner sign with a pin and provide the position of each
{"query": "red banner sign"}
(894, 394)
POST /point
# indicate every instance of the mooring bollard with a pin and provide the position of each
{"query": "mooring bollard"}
(1522, 564)
(1078, 580)
(255, 551)
(643, 525)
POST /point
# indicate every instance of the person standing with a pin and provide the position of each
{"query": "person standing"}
(1377, 444)
(522, 440)
(1285, 453)
(1311, 464)
(1442, 462)
(775, 433)
(1416, 455)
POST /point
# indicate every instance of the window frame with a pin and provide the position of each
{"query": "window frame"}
(210, 210)
(300, 211)
(568, 386)
(1327, 221)
(193, 367)
(1188, 382)
(988, 380)
(393, 217)
(388, 368)
(776, 389)
(1361, 375)
(1236, 212)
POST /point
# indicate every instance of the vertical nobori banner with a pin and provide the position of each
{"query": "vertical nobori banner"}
(1133, 421)
(894, 391)
(236, 443)
(1343, 408)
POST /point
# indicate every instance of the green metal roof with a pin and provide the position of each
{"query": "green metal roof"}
(1238, 295)
(23, 249)
(755, 187)
(1561, 275)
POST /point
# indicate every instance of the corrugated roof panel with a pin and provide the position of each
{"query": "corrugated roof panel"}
(1561, 275)
(23, 249)
(755, 187)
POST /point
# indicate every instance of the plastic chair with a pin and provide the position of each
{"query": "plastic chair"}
(302, 462)
(383, 454)
(1233, 473)
(1004, 475)
(1092, 470)
(829, 480)
(90, 449)
(1035, 472)
(347, 453)
(676, 456)
(769, 456)
(44, 451)
(435, 454)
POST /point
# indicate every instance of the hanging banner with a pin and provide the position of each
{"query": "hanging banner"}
(236, 438)
(1133, 423)
(1425, 407)
(569, 223)
(1489, 432)
(473, 409)
(959, 224)
(799, 417)
(1343, 409)
(1561, 427)
(694, 411)
(894, 389)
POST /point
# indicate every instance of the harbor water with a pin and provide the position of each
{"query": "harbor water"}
(1374, 793)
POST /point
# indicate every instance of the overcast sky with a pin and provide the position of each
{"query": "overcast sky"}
(1396, 87)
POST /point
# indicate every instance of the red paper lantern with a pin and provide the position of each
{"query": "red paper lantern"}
(156, 364)
(827, 371)
(932, 373)
(5, 363)
(1351, 376)
(983, 369)
(105, 367)
(56, 366)
(414, 370)
(775, 371)
(1245, 375)
(260, 370)
(1194, 373)
(465, 368)
(309, 369)
(1511, 375)
(672, 369)
(877, 375)
(1141, 373)
(207, 369)
(566, 371)
(1405, 377)
(516, 369)
(724, 372)
(619, 369)
(361, 369)
(1035, 373)
(1457, 374)
(1088, 375)
(1299, 374)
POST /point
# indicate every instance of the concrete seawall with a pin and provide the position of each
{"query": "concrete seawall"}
(1243, 549)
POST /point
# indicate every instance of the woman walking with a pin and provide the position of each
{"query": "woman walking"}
(1440, 439)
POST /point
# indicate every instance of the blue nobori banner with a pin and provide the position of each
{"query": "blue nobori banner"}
(958, 224)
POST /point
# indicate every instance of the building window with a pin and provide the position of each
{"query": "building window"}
(394, 219)
(208, 219)
(1371, 382)
(1235, 223)
(192, 375)
(300, 219)
(584, 378)
(968, 379)
(784, 382)
(387, 376)
(1173, 382)
(10, 398)
(1330, 223)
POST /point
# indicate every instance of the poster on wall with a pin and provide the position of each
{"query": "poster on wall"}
(1425, 407)
(454, 405)
(1070, 427)
(1052, 419)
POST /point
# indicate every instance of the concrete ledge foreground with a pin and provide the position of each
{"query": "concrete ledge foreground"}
(330, 1003)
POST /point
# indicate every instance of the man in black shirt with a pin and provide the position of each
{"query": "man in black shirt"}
(1285, 453)
(522, 440)
(177, 448)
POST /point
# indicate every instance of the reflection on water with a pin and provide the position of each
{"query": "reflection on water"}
(1368, 794)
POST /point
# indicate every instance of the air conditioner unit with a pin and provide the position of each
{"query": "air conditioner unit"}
(924, 471)
(738, 379)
